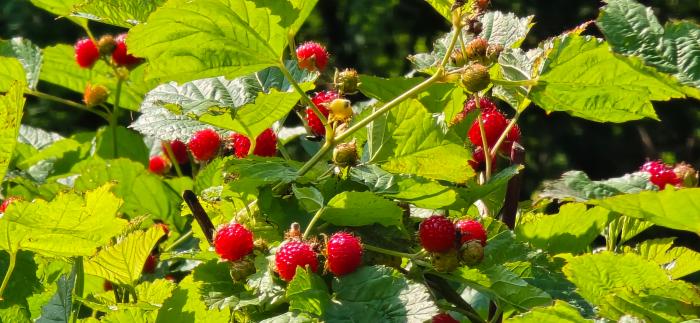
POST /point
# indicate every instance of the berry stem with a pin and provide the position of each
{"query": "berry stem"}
(177, 242)
(69, 103)
(313, 222)
(304, 97)
(388, 252)
(330, 142)
(10, 269)
(484, 141)
(502, 138)
(508, 83)
(173, 160)
(200, 215)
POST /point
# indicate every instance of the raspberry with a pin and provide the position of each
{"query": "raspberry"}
(7, 202)
(344, 253)
(437, 234)
(120, 56)
(294, 254)
(233, 241)
(106, 44)
(471, 253)
(444, 318)
(95, 94)
(471, 230)
(476, 78)
(478, 161)
(476, 49)
(346, 81)
(159, 165)
(204, 144)
(242, 268)
(320, 100)
(107, 286)
(265, 144)
(661, 174)
(149, 266)
(494, 124)
(485, 104)
(86, 53)
(512, 137)
(312, 56)
(445, 262)
(171, 278)
(345, 154)
(179, 151)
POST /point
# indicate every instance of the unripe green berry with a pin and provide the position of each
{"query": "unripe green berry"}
(471, 253)
(345, 154)
(476, 78)
(346, 81)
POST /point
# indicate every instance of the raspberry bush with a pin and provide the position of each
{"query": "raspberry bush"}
(243, 178)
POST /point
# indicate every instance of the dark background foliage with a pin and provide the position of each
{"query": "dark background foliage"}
(375, 37)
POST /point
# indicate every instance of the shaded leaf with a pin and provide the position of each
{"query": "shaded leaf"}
(28, 54)
(575, 185)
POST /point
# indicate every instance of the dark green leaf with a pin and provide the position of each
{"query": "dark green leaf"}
(309, 198)
(129, 144)
(61, 304)
(575, 185)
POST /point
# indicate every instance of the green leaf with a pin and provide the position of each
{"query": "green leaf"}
(357, 209)
(475, 192)
(156, 292)
(575, 185)
(678, 261)
(308, 293)
(22, 284)
(675, 209)
(11, 105)
(216, 287)
(517, 65)
(504, 285)
(210, 38)
(571, 230)
(409, 140)
(67, 226)
(375, 178)
(211, 175)
(27, 53)
(129, 144)
(443, 7)
(186, 305)
(59, 68)
(12, 73)
(122, 13)
(262, 171)
(559, 312)
(630, 284)
(61, 8)
(143, 192)
(309, 198)
(505, 28)
(423, 193)
(632, 29)
(60, 306)
(36, 137)
(379, 294)
(582, 77)
(123, 262)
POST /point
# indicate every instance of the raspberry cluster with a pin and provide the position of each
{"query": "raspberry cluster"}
(449, 243)
(88, 52)
(661, 174)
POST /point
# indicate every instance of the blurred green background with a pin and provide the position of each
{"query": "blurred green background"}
(375, 37)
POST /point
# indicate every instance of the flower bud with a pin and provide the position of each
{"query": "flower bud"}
(106, 44)
(687, 174)
(346, 81)
(476, 78)
(95, 95)
(345, 154)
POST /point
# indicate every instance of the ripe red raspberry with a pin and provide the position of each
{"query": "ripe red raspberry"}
(179, 151)
(444, 318)
(312, 56)
(471, 230)
(343, 253)
(437, 234)
(513, 136)
(494, 124)
(149, 266)
(86, 52)
(120, 56)
(233, 241)
(294, 254)
(7, 203)
(478, 161)
(485, 104)
(320, 99)
(661, 174)
(265, 144)
(107, 286)
(204, 144)
(159, 165)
